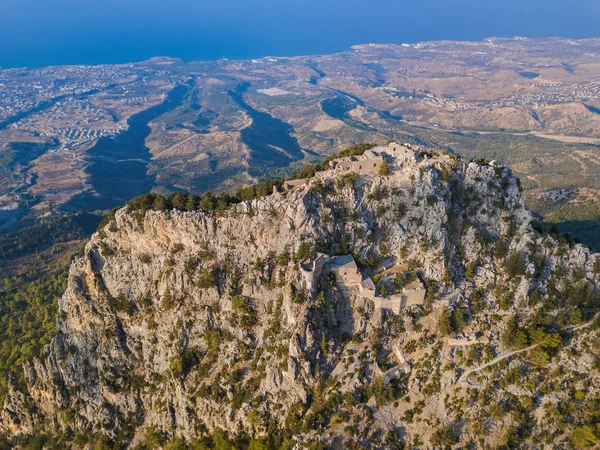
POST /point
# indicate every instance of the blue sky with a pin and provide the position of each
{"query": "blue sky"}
(40, 32)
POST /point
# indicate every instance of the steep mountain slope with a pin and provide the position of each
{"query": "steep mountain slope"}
(188, 325)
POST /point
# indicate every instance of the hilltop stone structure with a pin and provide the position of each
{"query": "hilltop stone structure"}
(369, 162)
(289, 185)
(352, 282)
(312, 272)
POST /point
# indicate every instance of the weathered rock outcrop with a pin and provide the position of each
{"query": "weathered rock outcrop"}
(191, 321)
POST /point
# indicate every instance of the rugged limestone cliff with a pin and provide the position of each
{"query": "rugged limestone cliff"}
(186, 322)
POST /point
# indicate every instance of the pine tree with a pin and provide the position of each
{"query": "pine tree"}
(444, 327)
(515, 265)
(160, 203)
(575, 316)
(458, 320)
(471, 271)
(324, 346)
(384, 169)
(208, 202)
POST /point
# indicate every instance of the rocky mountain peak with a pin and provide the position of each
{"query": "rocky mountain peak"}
(358, 305)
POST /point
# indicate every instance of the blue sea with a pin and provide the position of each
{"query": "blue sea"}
(37, 33)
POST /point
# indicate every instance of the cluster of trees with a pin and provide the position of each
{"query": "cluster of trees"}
(156, 439)
(547, 342)
(444, 437)
(246, 312)
(515, 265)
(47, 232)
(210, 202)
(27, 323)
(29, 299)
(451, 321)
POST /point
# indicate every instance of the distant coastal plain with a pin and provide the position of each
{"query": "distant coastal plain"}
(110, 32)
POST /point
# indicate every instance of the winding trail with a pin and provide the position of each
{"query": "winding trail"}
(495, 360)
(583, 325)
(499, 358)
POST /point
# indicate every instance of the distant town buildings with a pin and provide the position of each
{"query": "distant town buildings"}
(77, 105)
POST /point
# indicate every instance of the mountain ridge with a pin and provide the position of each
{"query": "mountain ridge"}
(186, 325)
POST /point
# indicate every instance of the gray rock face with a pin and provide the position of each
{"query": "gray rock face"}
(188, 320)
